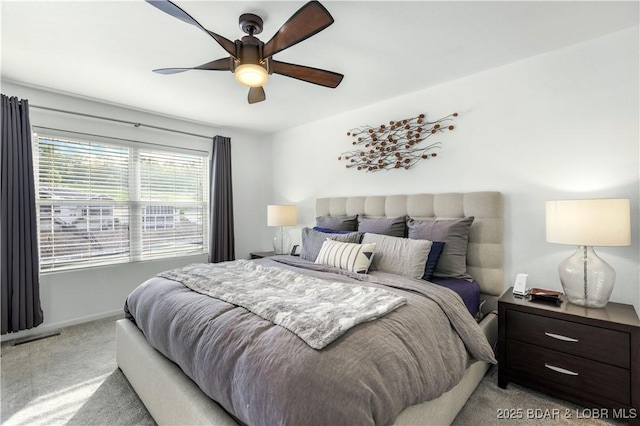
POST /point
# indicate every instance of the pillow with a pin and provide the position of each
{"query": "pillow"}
(330, 231)
(394, 226)
(352, 257)
(455, 233)
(399, 256)
(340, 223)
(312, 242)
(432, 260)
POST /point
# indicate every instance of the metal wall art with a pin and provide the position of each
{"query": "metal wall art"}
(398, 145)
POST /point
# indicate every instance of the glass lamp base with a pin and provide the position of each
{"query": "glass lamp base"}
(281, 242)
(586, 279)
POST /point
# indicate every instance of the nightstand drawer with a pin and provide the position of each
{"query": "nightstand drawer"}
(595, 343)
(584, 376)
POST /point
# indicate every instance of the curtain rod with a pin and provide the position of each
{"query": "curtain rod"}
(118, 139)
(120, 121)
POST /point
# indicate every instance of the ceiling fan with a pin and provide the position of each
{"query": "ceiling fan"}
(251, 60)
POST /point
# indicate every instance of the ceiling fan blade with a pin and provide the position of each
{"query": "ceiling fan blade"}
(310, 19)
(226, 44)
(168, 71)
(308, 74)
(222, 64)
(256, 94)
(175, 11)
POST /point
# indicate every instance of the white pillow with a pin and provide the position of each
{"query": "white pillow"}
(350, 256)
(400, 256)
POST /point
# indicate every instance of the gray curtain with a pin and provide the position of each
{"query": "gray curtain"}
(19, 262)
(221, 233)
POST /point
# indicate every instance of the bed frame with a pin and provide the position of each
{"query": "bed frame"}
(172, 398)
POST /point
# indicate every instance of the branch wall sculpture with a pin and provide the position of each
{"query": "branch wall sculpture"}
(396, 145)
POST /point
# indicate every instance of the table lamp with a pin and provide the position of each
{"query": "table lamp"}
(588, 280)
(281, 215)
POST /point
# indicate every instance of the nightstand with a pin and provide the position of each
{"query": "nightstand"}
(587, 356)
(261, 254)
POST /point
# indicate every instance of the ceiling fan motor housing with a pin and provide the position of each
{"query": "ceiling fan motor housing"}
(249, 51)
(250, 69)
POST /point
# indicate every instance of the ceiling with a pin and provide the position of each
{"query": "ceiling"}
(106, 50)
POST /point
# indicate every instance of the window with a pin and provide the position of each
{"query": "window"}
(101, 203)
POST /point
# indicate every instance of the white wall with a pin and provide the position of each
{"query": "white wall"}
(559, 125)
(85, 294)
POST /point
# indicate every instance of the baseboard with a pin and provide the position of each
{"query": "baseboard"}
(48, 327)
(40, 336)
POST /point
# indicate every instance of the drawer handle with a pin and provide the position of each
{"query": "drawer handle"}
(560, 370)
(560, 337)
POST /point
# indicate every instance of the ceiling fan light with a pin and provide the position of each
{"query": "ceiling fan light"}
(251, 75)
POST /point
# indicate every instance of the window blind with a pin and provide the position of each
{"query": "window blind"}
(101, 203)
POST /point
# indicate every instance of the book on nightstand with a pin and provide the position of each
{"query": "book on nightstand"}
(543, 295)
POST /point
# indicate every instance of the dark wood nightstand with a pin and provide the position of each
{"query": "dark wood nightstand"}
(587, 356)
(261, 254)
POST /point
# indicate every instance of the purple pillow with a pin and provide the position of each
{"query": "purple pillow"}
(455, 233)
(432, 259)
(341, 223)
(392, 226)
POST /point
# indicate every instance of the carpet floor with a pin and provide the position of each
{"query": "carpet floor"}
(73, 379)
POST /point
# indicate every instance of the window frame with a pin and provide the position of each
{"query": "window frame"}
(134, 204)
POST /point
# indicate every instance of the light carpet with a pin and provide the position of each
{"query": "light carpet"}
(73, 379)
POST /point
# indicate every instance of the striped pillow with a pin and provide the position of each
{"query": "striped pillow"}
(352, 257)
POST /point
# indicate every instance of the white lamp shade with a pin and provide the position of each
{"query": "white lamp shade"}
(278, 215)
(601, 222)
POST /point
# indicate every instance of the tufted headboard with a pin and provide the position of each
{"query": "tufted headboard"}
(485, 252)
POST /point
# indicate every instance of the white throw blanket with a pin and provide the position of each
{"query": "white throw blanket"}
(316, 310)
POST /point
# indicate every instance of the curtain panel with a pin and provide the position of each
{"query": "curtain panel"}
(221, 231)
(19, 261)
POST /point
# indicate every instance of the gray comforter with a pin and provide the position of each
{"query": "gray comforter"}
(316, 310)
(263, 374)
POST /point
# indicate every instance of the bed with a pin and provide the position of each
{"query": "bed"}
(172, 397)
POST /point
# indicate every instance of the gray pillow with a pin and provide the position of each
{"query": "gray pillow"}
(399, 256)
(455, 233)
(312, 242)
(339, 223)
(394, 226)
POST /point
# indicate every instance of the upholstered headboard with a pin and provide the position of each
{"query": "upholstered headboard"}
(485, 252)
